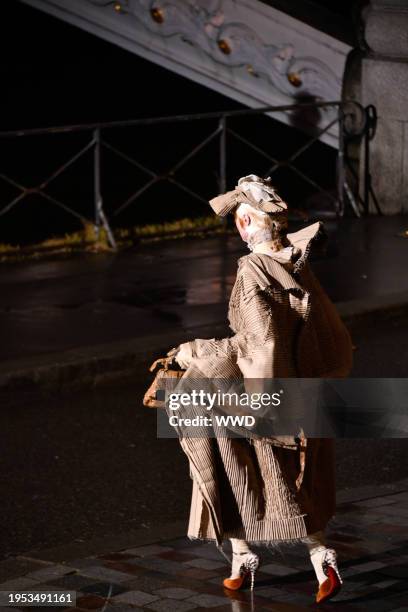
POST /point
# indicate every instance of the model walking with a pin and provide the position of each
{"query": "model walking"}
(273, 490)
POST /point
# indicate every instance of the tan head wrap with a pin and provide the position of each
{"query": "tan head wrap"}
(255, 191)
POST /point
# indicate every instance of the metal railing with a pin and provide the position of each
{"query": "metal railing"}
(347, 117)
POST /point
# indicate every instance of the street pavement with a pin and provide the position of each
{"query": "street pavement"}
(369, 534)
(82, 471)
(97, 311)
(87, 464)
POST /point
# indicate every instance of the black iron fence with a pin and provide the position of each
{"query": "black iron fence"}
(349, 119)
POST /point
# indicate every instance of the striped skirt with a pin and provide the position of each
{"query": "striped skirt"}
(246, 489)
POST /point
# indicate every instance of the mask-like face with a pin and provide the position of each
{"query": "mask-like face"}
(242, 223)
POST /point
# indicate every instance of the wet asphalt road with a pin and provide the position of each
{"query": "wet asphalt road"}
(87, 464)
(57, 304)
(82, 465)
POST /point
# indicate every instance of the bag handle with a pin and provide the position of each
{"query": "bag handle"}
(165, 362)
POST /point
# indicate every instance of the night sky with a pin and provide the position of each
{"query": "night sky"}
(54, 74)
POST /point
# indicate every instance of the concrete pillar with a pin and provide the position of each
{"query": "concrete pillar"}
(384, 83)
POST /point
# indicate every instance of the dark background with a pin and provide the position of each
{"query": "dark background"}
(55, 74)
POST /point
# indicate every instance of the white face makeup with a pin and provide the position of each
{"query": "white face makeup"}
(242, 222)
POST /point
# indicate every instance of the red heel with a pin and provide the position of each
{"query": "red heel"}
(247, 571)
(330, 587)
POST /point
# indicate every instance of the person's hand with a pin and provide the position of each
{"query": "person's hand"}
(182, 354)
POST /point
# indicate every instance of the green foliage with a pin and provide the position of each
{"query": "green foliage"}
(88, 240)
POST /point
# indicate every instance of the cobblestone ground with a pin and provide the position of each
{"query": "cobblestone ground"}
(369, 533)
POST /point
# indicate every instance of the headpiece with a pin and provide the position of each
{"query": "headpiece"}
(255, 191)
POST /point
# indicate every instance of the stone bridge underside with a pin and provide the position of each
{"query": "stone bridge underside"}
(244, 49)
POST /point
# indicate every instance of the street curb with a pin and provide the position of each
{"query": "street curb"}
(379, 303)
(100, 364)
(104, 545)
(95, 365)
(64, 553)
(359, 494)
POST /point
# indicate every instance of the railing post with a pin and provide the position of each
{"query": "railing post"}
(371, 126)
(366, 170)
(223, 154)
(340, 167)
(100, 218)
(97, 181)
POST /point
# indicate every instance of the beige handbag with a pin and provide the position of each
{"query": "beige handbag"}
(167, 368)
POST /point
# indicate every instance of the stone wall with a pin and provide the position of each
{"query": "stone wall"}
(384, 83)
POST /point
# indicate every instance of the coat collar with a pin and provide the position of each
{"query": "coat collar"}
(303, 241)
(295, 255)
(284, 264)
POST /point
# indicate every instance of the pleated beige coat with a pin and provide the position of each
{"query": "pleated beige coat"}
(284, 326)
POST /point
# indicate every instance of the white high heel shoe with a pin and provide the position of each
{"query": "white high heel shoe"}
(248, 568)
(327, 561)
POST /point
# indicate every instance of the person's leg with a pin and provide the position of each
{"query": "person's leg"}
(244, 564)
(316, 545)
(325, 565)
(240, 550)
